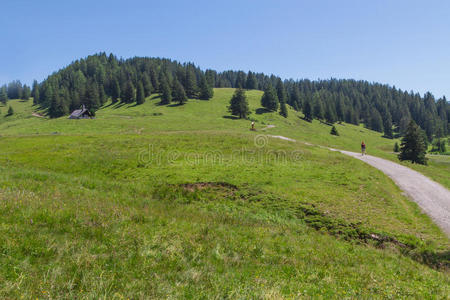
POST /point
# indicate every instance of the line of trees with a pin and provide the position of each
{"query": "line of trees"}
(91, 81)
(14, 90)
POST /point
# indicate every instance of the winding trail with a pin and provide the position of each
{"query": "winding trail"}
(433, 198)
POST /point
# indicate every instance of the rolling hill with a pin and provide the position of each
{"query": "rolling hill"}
(150, 200)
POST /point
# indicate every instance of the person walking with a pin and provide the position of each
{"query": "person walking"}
(363, 148)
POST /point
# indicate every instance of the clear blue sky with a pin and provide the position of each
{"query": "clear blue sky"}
(405, 43)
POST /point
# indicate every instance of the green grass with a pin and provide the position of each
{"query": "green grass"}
(99, 209)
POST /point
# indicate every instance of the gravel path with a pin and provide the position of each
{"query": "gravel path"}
(433, 198)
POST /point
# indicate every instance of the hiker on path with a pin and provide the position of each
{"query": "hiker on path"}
(363, 148)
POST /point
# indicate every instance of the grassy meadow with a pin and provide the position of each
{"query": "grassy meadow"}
(184, 201)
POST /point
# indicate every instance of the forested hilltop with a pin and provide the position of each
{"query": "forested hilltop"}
(97, 78)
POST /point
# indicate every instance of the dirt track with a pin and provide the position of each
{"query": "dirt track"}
(433, 198)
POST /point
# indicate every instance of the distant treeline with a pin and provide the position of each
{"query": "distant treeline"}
(93, 80)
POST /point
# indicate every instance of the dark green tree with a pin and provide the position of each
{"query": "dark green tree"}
(396, 147)
(91, 99)
(10, 111)
(376, 122)
(251, 82)
(147, 84)
(35, 93)
(191, 83)
(330, 115)
(334, 131)
(307, 110)
(26, 92)
(387, 125)
(240, 80)
(295, 100)
(206, 91)
(3, 95)
(318, 107)
(115, 91)
(283, 109)
(239, 105)
(413, 147)
(140, 94)
(129, 94)
(269, 99)
(166, 92)
(179, 94)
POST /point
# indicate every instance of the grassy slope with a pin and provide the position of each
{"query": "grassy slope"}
(86, 211)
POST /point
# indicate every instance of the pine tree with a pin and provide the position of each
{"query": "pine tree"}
(10, 111)
(115, 91)
(295, 99)
(206, 91)
(179, 94)
(166, 93)
(413, 146)
(283, 109)
(396, 147)
(376, 122)
(387, 125)
(240, 80)
(129, 94)
(330, 116)
(334, 131)
(269, 99)
(26, 92)
(91, 99)
(443, 148)
(140, 94)
(318, 107)
(147, 84)
(281, 91)
(35, 93)
(239, 105)
(3, 95)
(251, 82)
(191, 84)
(307, 110)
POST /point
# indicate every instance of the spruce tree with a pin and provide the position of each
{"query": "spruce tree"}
(129, 94)
(35, 93)
(413, 147)
(240, 80)
(26, 92)
(251, 82)
(307, 110)
(115, 90)
(147, 84)
(269, 99)
(334, 131)
(239, 105)
(166, 93)
(140, 94)
(295, 100)
(10, 111)
(376, 122)
(191, 84)
(206, 91)
(396, 147)
(283, 109)
(318, 108)
(179, 94)
(3, 95)
(387, 125)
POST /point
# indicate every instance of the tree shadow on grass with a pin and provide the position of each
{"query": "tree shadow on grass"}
(231, 117)
(175, 104)
(262, 110)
